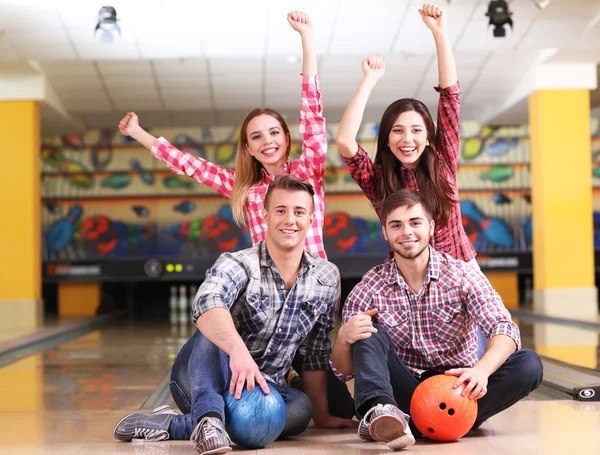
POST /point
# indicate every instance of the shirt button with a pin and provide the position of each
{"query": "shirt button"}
(280, 330)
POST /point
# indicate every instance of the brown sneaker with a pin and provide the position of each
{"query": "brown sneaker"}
(209, 437)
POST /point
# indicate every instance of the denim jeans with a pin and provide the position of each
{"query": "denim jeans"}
(380, 372)
(199, 379)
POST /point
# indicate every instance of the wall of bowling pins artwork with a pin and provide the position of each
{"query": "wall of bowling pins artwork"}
(104, 196)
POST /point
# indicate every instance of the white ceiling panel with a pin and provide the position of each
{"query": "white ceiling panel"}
(193, 118)
(368, 28)
(553, 33)
(81, 68)
(84, 105)
(571, 10)
(71, 84)
(184, 91)
(137, 103)
(187, 102)
(116, 67)
(39, 37)
(107, 52)
(179, 56)
(40, 52)
(126, 80)
(179, 66)
(133, 92)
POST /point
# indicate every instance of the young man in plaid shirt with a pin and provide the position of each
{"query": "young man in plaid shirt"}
(257, 310)
(416, 316)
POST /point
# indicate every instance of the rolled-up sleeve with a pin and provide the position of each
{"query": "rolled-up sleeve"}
(221, 286)
(486, 307)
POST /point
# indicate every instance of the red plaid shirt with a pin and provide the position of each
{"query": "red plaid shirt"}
(310, 166)
(436, 328)
(452, 238)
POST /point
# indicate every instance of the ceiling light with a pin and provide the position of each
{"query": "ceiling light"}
(499, 16)
(107, 24)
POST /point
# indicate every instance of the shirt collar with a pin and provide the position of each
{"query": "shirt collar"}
(392, 274)
(269, 178)
(308, 262)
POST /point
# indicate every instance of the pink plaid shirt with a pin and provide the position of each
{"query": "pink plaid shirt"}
(452, 238)
(310, 166)
(436, 328)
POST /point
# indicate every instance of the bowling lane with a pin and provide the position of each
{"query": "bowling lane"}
(573, 345)
(76, 392)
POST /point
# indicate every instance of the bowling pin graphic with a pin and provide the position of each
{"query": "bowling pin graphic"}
(173, 305)
(183, 304)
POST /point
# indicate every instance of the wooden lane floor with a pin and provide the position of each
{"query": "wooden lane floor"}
(68, 400)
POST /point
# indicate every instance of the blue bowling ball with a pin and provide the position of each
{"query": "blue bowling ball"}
(256, 419)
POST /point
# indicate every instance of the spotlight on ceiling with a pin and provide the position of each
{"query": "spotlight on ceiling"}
(499, 16)
(107, 24)
(541, 4)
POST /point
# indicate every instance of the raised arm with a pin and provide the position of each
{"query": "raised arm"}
(312, 123)
(130, 126)
(373, 69)
(212, 175)
(300, 22)
(448, 119)
(435, 19)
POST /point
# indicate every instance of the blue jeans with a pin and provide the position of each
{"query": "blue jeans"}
(379, 372)
(199, 379)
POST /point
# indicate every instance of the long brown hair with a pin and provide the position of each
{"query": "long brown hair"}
(247, 168)
(430, 178)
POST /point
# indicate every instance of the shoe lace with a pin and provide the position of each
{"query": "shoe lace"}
(209, 429)
(367, 416)
(150, 434)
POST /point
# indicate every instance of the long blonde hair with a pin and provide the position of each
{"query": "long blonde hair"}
(247, 168)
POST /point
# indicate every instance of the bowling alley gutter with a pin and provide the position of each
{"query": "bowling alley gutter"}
(20, 348)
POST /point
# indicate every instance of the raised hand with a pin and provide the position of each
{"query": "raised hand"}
(129, 124)
(300, 22)
(373, 67)
(433, 17)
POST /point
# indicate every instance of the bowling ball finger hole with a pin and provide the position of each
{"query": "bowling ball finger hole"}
(430, 430)
(442, 406)
(451, 411)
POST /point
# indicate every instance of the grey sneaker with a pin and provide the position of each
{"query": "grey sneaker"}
(386, 423)
(140, 426)
(209, 437)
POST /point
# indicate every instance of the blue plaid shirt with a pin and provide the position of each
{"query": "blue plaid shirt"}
(274, 325)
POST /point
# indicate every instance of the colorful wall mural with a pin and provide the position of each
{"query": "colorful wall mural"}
(105, 196)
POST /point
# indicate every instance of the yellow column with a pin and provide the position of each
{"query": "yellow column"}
(20, 211)
(563, 242)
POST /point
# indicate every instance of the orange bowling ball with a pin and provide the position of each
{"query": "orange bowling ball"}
(439, 411)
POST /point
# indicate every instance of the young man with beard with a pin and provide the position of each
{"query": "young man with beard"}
(416, 316)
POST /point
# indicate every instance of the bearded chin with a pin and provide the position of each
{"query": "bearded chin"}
(410, 256)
